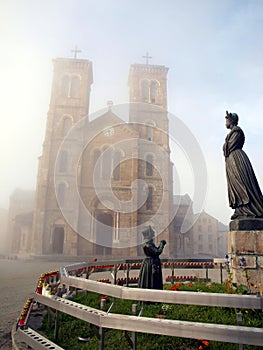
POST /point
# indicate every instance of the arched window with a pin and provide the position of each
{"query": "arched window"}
(150, 126)
(74, 87)
(145, 91)
(61, 193)
(153, 90)
(116, 165)
(149, 165)
(149, 90)
(96, 156)
(65, 86)
(106, 164)
(67, 123)
(63, 162)
(58, 240)
(23, 241)
(149, 200)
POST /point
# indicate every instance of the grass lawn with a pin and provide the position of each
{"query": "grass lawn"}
(71, 328)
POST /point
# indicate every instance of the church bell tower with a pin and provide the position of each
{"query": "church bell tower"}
(69, 103)
(148, 112)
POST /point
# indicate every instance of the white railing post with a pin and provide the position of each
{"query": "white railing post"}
(101, 330)
(239, 323)
(134, 334)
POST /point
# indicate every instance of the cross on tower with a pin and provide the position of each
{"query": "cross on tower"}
(76, 51)
(147, 57)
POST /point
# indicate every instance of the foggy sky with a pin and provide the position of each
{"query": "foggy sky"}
(214, 51)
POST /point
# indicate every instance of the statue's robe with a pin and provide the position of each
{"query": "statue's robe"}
(151, 269)
(244, 193)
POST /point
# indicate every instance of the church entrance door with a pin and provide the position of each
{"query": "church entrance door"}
(58, 240)
(104, 234)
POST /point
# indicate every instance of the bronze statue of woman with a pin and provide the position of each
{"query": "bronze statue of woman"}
(151, 270)
(244, 193)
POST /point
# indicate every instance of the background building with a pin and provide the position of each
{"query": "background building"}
(196, 235)
(20, 202)
(209, 237)
(22, 233)
(182, 227)
(3, 231)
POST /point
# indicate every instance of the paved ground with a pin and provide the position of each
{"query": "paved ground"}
(17, 282)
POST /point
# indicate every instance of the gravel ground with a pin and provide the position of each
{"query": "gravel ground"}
(18, 282)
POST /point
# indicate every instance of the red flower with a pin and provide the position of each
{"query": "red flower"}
(175, 287)
(204, 344)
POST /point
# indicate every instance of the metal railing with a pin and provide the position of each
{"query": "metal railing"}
(36, 340)
(77, 276)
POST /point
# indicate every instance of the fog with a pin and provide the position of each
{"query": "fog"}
(213, 49)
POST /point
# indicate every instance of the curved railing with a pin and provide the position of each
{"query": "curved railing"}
(55, 284)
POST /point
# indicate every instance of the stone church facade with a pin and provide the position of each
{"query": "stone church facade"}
(122, 176)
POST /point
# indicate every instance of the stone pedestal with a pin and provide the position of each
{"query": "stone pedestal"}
(245, 241)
